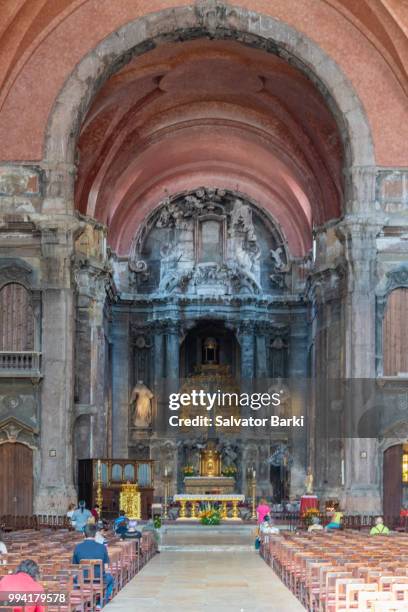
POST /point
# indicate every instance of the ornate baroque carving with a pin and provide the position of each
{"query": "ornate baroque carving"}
(13, 430)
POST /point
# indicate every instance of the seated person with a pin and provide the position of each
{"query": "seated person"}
(120, 526)
(132, 532)
(149, 526)
(315, 526)
(266, 528)
(100, 533)
(23, 580)
(335, 522)
(379, 527)
(71, 510)
(3, 548)
(80, 517)
(88, 550)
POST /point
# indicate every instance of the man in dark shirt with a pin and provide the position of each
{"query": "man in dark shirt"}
(89, 549)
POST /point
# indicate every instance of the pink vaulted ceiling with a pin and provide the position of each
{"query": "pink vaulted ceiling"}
(209, 113)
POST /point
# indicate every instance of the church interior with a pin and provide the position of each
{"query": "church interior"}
(206, 196)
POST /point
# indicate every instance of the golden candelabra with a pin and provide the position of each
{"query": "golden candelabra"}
(99, 494)
(253, 488)
(167, 479)
(130, 501)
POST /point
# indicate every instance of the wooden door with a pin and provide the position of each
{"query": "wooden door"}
(16, 479)
(392, 479)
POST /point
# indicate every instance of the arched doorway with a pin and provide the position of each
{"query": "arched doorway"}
(16, 479)
(395, 479)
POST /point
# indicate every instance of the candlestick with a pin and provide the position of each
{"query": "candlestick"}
(253, 516)
(99, 494)
(166, 492)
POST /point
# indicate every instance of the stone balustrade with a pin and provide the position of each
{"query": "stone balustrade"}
(19, 363)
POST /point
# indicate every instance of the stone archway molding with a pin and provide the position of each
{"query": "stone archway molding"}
(213, 19)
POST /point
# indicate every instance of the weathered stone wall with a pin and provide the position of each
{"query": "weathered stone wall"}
(38, 226)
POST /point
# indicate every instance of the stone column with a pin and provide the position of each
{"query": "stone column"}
(91, 286)
(120, 383)
(362, 488)
(157, 370)
(56, 488)
(97, 380)
(299, 400)
(247, 343)
(172, 365)
(261, 330)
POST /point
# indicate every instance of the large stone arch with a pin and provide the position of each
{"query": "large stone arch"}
(219, 21)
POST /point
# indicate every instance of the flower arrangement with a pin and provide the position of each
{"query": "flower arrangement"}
(210, 516)
(229, 470)
(188, 470)
(309, 515)
(157, 522)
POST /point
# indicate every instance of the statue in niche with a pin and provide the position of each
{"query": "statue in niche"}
(141, 403)
(245, 245)
(309, 481)
(278, 262)
(228, 455)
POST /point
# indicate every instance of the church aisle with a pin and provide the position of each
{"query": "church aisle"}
(200, 581)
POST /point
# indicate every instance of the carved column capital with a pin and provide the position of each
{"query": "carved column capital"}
(246, 328)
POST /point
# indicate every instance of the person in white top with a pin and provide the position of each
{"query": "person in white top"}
(3, 549)
(266, 528)
(315, 526)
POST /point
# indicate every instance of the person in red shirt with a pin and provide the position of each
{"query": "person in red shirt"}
(24, 581)
(95, 512)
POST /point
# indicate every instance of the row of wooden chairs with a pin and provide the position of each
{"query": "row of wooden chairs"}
(53, 550)
(10, 522)
(342, 571)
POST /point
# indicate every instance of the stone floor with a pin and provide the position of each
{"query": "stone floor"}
(199, 538)
(205, 581)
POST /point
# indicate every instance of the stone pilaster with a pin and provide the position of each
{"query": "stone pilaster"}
(361, 454)
(120, 383)
(261, 361)
(299, 401)
(247, 342)
(56, 488)
(91, 287)
(172, 365)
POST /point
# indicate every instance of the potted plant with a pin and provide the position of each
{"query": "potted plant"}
(211, 516)
(229, 470)
(309, 515)
(188, 470)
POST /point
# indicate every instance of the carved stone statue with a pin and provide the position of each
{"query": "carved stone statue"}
(170, 254)
(309, 481)
(228, 455)
(141, 402)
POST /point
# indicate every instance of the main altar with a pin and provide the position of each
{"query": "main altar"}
(190, 505)
(210, 481)
(209, 488)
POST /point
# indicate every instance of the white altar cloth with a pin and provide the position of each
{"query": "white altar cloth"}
(208, 497)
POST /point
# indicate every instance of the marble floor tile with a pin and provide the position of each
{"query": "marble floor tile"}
(205, 582)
